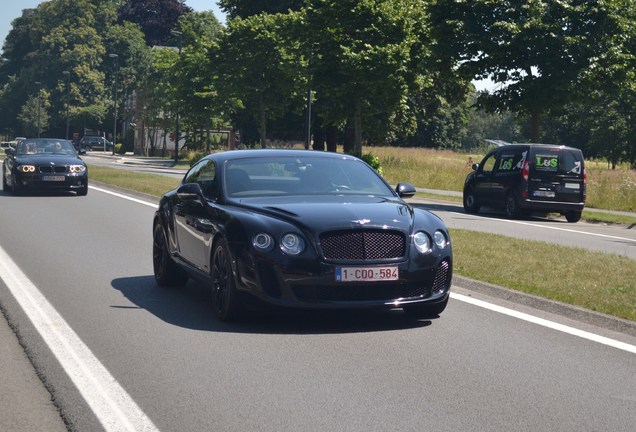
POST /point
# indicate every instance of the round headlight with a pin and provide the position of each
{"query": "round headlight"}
(26, 168)
(292, 244)
(440, 239)
(263, 241)
(77, 169)
(422, 242)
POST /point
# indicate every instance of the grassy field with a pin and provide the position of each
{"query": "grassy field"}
(596, 281)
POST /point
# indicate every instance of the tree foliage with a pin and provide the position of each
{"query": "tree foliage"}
(156, 18)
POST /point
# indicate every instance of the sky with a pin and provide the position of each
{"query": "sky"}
(12, 9)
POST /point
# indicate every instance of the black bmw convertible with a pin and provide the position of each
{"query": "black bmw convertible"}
(44, 164)
(300, 228)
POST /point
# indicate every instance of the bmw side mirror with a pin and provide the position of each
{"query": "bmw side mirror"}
(475, 166)
(81, 152)
(9, 151)
(405, 190)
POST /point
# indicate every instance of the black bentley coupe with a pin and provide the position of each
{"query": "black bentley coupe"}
(300, 228)
(44, 164)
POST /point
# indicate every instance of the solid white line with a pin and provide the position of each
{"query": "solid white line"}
(128, 197)
(114, 408)
(562, 229)
(545, 323)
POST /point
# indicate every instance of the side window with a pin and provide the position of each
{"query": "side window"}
(193, 174)
(572, 163)
(488, 164)
(207, 179)
(510, 161)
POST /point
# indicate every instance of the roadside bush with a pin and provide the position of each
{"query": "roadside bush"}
(373, 161)
(120, 149)
(194, 157)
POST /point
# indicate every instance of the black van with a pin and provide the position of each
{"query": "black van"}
(526, 178)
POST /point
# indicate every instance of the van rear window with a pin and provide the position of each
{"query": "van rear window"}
(564, 162)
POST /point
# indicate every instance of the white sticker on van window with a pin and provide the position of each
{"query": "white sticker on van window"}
(577, 168)
(523, 159)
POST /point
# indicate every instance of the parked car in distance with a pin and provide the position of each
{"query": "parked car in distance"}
(303, 229)
(527, 178)
(44, 164)
(6, 144)
(95, 143)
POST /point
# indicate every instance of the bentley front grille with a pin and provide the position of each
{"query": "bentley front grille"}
(362, 245)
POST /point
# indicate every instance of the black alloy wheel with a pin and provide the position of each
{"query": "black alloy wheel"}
(225, 298)
(167, 273)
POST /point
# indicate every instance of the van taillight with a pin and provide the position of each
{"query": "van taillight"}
(525, 175)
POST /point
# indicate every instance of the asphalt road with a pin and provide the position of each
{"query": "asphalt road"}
(118, 353)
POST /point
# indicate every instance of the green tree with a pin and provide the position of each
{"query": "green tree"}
(155, 17)
(258, 66)
(542, 52)
(247, 8)
(361, 54)
(34, 113)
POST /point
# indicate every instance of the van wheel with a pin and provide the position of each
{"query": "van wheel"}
(470, 202)
(512, 207)
(573, 216)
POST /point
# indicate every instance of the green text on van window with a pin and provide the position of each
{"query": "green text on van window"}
(547, 162)
(506, 164)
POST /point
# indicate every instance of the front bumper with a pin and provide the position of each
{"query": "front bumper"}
(313, 285)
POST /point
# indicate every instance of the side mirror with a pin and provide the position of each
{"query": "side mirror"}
(9, 151)
(190, 192)
(405, 190)
(81, 152)
(475, 166)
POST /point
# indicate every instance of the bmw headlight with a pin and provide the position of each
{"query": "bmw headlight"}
(263, 242)
(26, 168)
(422, 242)
(292, 244)
(440, 239)
(77, 169)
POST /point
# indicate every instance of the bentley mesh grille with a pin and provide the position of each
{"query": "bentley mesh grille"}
(362, 245)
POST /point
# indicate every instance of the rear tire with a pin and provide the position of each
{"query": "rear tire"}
(226, 300)
(167, 272)
(573, 216)
(512, 207)
(470, 201)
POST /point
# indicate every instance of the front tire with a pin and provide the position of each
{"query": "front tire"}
(167, 272)
(83, 191)
(470, 201)
(226, 302)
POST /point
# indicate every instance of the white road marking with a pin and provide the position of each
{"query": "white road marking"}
(562, 229)
(546, 323)
(129, 198)
(114, 408)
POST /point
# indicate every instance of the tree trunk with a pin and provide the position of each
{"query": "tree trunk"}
(332, 138)
(349, 137)
(263, 123)
(357, 124)
(536, 120)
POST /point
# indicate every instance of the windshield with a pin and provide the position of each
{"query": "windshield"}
(45, 146)
(264, 176)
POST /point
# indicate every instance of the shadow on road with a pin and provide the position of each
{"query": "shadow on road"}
(189, 307)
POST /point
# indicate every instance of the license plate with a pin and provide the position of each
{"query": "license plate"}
(367, 274)
(572, 186)
(53, 178)
(545, 194)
